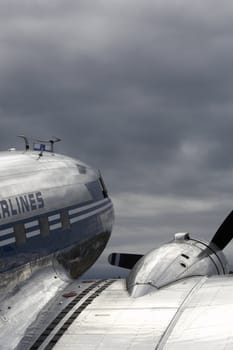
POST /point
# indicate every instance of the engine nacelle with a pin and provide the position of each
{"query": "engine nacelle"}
(181, 258)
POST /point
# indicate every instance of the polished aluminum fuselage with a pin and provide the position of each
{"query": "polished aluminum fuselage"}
(53, 212)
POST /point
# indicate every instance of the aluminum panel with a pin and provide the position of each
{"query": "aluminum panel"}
(206, 321)
(114, 320)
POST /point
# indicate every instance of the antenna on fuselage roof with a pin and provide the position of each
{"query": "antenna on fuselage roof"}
(40, 145)
(27, 146)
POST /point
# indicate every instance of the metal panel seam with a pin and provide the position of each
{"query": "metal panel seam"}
(75, 314)
(163, 340)
(52, 325)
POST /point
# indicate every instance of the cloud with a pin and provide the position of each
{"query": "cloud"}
(142, 90)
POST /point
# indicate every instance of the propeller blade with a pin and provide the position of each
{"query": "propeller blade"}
(225, 233)
(125, 260)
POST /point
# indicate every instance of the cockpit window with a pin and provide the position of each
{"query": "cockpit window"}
(82, 169)
(104, 188)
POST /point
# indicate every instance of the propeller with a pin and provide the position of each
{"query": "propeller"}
(225, 233)
(221, 239)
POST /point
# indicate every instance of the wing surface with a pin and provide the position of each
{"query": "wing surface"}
(195, 313)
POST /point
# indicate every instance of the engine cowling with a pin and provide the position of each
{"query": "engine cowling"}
(182, 258)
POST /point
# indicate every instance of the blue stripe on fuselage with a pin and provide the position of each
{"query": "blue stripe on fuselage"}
(10, 226)
(36, 245)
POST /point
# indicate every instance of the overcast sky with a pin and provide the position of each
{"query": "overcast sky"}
(142, 90)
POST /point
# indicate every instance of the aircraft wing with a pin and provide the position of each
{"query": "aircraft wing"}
(193, 313)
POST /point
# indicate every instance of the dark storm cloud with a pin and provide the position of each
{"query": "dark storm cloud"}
(142, 90)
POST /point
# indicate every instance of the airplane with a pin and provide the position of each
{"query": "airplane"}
(56, 218)
(177, 296)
